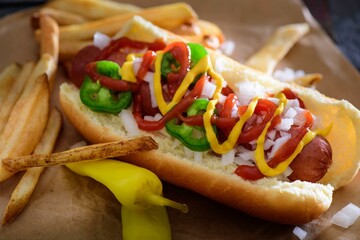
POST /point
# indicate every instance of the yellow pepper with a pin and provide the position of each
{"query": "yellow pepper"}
(152, 223)
(139, 191)
(134, 187)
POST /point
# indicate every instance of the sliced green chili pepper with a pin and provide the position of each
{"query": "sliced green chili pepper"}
(134, 187)
(168, 64)
(102, 99)
(108, 68)
(197, 52)
(185, 133)
(152, 223)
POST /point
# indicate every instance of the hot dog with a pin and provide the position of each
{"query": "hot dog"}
(245, 119)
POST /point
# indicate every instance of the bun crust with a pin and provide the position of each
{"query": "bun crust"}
(284, 202)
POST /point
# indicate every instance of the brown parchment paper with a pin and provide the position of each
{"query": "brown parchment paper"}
(67, 206)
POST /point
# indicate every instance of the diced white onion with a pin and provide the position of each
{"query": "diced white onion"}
(227, 47)
(129, 123)
(290, 113)
(346, 216)
(299, 73)
(101, 40)
(285, 124)
(234, 111)
(136, 65)
(248, 90)
(239, 161)
(288, 171)
(300, 118)
(268, 144)
(288, 74)
(277, 145)
(228, 158)
(220, 65)
(291, 103)
(198, 157)
(149, 77)
(300, 233)
(223, 84)
(222, 98)
(208, 90)
(156, 117)
(247, 155)
(284, 134)
(274, 100)
(271, 134)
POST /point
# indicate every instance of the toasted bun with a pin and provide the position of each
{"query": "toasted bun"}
(284, 202)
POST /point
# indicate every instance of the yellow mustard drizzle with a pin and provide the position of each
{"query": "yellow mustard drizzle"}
(235, 132)
(127, 70)
(201, 67)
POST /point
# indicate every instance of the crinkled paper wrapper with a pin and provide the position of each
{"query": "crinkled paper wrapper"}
(67, 206)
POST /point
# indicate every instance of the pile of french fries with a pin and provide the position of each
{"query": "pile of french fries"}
(29, 127)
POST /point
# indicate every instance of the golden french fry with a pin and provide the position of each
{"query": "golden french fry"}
(26, 122)
(14, 93)
(7, 78)
(308, 80)
(93, 9)
(63, 17)
(91, 152)
(49, 45)
(276, 47)
(68, 49)
(166, 16)
(23, 191)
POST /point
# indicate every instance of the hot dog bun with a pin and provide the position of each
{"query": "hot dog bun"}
(284, 202)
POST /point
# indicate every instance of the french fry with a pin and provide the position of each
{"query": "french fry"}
(166, 16)
(68, 49)
(91, 152)
(23, 191)
(26, 122)
(277, 46)
(308, 79)
(62, 17)
(14, 93)
(93, 9)
(49, 45)
(7, 78)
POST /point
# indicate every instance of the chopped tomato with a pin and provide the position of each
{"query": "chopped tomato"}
(228, 105)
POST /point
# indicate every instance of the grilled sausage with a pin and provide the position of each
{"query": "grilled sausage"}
(313, 161)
